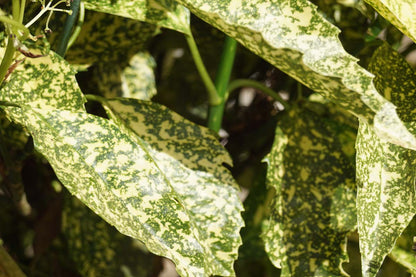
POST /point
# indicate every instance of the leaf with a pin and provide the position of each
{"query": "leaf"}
(395, 79)
(187, 215)
(386, 196)
(164, 13)
(109, 38)
(44, 82)
(135, 80)
(401, 14)
(97, 248)
(385, 172)
(294, 37)
(314, 206)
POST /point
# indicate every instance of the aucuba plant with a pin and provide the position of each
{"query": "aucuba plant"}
(230, 137)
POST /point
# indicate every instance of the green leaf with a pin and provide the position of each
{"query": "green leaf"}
(385, 172)
(97, 248)
(395, 79)
(135, 80)
(190, 216)
(294, 37)
(386, 196)
(401, 14)
(314, 205)
(165, 13)
(109, 38)
(44, 82)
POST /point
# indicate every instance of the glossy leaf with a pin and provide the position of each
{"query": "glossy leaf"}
(314, 206)
(97, 248)
(165, 13)
(385, 172)
(135, 80)
(294, 37)
(400, 13)
(386, 196)
(187, 215)
(44, 82)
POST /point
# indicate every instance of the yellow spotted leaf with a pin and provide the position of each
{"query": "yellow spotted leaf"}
(314, 206)
(188, 214)
(297, 39)
(401, 13)
(165, 13)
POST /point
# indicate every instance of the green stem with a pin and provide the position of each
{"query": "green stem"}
(78, 27)
(69, 24)
(257, 85)
(16, 24)
(216, 111)
(16, 9)
(8, 58)
(22, 11)
(212, 91)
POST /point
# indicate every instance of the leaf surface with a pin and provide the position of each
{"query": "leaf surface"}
(165, 13)
(386, 196)
(97, 248)
(385, 172)
(294, 37)
(44, 82)
(134, 80)
(187, 215)
(401, 14)
(314, 206)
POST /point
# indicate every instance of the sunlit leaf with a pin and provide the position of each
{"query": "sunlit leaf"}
(44, 82)
(97, 248)
(314, 206)
(187, 213)
(385, 172)
(165, 13)
(386, 196)
(401, 13)
(134, 80)
(293, 36)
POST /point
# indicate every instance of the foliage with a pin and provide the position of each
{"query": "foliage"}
(106, 168)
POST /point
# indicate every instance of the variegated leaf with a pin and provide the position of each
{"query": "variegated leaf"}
(44, 82)
(294, 36)
(386, 196)
(135, 80)
(396, 80)
(165, 13)
(192, 145)
(401, 14)
(314, 206)
(109, 38)
(385, 172)
(187, 215)
(97, 248)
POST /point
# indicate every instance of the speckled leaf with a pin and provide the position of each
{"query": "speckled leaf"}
(385, 172)
(165, 13)
(386, 196)
(401, 14)
(396, 80)
(97, 248)
(135, 80)
(294, 36)
(109, 38)
(44, 82)
(187, 215)
(314, 205)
